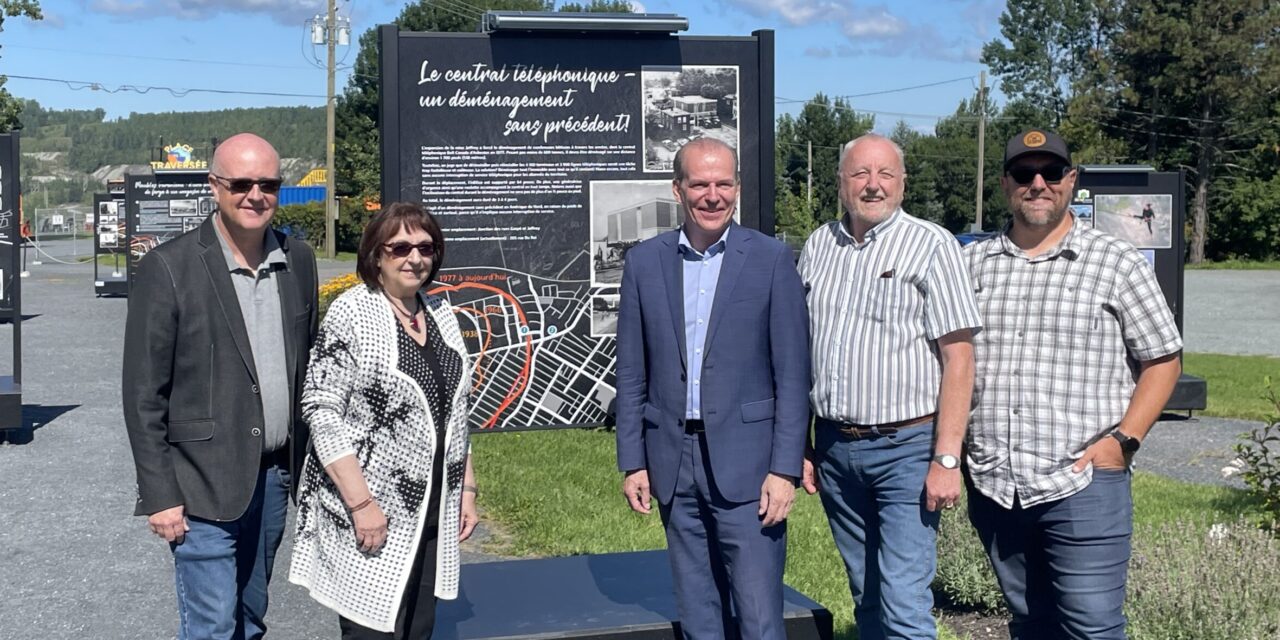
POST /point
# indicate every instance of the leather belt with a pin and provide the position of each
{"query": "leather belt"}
(694, 426)
(277, 458)
(866, 431)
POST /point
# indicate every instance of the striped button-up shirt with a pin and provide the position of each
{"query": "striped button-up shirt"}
(875, 312)
(1058, 360)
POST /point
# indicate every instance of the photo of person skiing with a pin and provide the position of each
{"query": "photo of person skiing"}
(1145, 221)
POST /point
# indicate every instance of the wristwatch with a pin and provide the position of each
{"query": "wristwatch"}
(947, 461)
(1128, 444)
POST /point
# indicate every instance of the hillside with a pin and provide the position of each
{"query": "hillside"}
(68, 154)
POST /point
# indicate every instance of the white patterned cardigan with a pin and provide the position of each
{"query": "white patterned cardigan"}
(357, 401)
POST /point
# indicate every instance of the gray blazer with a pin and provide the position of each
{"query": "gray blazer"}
(190, 387)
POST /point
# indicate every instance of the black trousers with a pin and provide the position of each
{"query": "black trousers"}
(418, 605)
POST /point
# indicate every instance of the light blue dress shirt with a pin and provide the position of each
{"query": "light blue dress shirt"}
(701, 274)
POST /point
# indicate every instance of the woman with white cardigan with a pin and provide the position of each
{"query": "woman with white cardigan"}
(387, 488)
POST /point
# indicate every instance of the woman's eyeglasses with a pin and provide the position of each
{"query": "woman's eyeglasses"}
(403, 249)
(1052, 174)
(245, 185)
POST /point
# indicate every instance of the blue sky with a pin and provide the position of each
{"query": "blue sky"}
(839, 47)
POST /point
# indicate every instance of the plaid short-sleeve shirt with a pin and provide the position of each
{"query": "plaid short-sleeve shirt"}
(1057, 360)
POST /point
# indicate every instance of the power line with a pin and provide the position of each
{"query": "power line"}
(911, 88)
(781, 100)
(908, 154)
(80, 85)
(459, 8)
(154, 58)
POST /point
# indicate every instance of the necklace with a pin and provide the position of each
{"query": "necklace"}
(412, 318)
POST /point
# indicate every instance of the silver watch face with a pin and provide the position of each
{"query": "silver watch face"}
(947, 461)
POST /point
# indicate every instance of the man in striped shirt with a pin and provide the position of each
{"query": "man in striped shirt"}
(1078, 357)
(892, 317)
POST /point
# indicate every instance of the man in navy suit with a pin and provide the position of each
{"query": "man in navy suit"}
(713, 414)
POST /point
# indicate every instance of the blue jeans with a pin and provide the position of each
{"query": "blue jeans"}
(873, 493)
(1062, 565)
(726, 567)
(221, 569)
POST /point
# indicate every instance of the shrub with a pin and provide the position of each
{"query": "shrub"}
(307, 220)
(964, 577)
(1191, 582)
(1187, 580)
(1258, 461)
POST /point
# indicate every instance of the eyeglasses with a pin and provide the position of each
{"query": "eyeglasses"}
(1052, 174)
(245, 185)
(402, 249)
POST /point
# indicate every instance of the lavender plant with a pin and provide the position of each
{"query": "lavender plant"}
(1189, 582)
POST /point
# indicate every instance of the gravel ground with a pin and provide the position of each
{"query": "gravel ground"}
(1193, 449)
(73, 562)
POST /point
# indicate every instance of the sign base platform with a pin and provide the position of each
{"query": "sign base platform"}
(112, 286)
(616, 596)
(1190, 393)
(10, 404)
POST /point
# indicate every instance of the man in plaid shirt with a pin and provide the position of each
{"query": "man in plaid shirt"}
(1078, 355)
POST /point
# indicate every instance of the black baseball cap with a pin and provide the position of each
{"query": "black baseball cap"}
(1036, 141)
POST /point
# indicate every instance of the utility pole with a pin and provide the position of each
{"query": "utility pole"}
(982, 144)
(810, 175)
(330, 201)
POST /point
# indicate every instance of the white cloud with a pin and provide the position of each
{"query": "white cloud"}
(283, 11)
(867, 28)
(874, 23)
(798, 12)
(636, 7)
(118, 7)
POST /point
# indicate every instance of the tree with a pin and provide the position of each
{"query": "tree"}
(10, 107)
(358, 157)
(1196, 89)
(825, 124)
(1048, 47)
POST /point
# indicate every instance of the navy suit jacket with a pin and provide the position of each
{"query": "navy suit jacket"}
(755, 372)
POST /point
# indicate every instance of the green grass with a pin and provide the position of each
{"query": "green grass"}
(109, 260)
(340, 256)
(554, 493)
(1246, 265)
(1235, 383)
(1159, 500)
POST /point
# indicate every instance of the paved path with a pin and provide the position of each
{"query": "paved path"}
(1232, 312)
(1194, 449)
(73, 562)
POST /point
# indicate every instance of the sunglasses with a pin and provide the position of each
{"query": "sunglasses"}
(245, 185)
(403, 249)
(1052, 174)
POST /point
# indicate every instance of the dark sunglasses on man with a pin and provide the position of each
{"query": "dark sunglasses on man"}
(245, 185)
(1052, 173)
(402, 249)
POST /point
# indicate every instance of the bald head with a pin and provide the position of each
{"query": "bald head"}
(244, 215)
(701, 145)
(245, 149)
(876, 140)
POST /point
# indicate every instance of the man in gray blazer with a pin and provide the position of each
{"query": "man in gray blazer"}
(220, 326)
